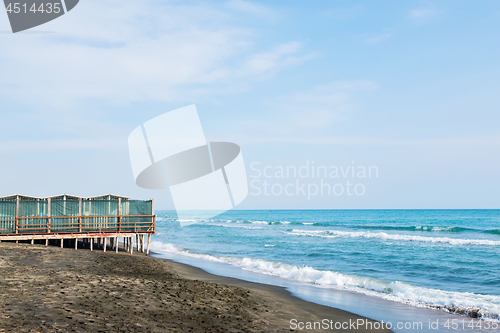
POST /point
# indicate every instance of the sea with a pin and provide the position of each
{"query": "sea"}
(399, 266)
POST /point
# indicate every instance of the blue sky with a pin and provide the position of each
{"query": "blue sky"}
(408, 86)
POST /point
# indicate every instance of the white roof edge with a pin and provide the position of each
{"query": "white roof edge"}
(60, 195)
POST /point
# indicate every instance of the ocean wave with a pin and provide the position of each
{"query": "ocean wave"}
(263, 222)
(237, 226)
(395, 237)
(468, 304)
(452, 229)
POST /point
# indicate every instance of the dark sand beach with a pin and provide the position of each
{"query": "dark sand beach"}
(49, 289)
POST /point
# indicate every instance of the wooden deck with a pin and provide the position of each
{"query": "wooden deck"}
(88, 229)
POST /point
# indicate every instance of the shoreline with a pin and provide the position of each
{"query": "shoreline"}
(365, 306)
(49, 289)
(291, 306)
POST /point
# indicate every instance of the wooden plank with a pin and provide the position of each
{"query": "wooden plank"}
(80, 215)
(70, 217)
(48, 214)
(119, 214)
(17, 215)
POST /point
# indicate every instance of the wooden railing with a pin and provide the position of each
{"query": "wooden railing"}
(80, 224)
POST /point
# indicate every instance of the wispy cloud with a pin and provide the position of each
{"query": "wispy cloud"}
(343, 13)
(281, 57)
(252, 8)
(331, 140)
(378, 39)
(321, 106)
(424, 14)
(143, 51)
(60, 145)
(307, 113)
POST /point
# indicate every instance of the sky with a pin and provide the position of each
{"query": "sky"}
(408, 88)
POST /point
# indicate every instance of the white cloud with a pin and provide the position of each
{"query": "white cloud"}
(378, 39)
(324, 105)
(59, 145)
(253, 8)
(332, 140)
(343, 13)
(137, 51)
(282, 56)
(424, 14)
(302, 115)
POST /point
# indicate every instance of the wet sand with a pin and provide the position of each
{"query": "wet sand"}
(49, 289)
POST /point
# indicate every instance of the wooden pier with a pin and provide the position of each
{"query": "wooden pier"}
(102, 220)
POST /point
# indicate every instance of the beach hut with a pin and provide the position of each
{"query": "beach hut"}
(62, 217)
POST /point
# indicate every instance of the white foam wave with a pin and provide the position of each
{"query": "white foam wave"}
(425, 228)
(307, 223)
(236, 226)
(395, 237)
(260, 222)
(484, 306)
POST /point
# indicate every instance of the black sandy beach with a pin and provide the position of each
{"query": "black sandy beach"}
(49, 289)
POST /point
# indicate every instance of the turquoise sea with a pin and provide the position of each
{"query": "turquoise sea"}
(445, 260)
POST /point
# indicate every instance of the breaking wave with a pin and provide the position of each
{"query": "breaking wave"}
(467, 304)
(395, 237)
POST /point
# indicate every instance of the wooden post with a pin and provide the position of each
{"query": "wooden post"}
(137, 241)
(105, 240)
(32, 241)
(116, 244)
(17, 215)
(46, 241)
(76, 243)
(142, 243)
(91, 243)
(48, 214)
(131, 245)
(119, 214)
(153, 213)
(62, 242)
(80, 215)
(149, 238)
